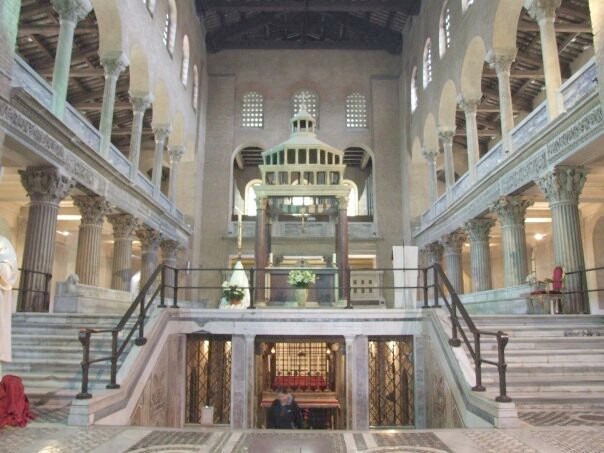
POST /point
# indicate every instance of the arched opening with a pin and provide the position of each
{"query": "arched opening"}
(413, 90)
(444, 29)
(427, 63)
(184, 69)
(169, 36)
(359, 176)
(246, 175)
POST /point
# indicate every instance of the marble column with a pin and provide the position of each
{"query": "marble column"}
(260, 249)
(140, 103)
(342, 248)
(433, 253)
(446, 137)
(453, 246)
(511, 212)
(121, 269)
(45, 187)
(501, 60)
(239, 383)
(169, 248)
(114, 64)
(70, 13)
(430, 155)
(360, 383)
(562, 188)
(175, 153)
(544, 12)
(161, 135)
(149, 247)
(350, 372)
(478, 231)
(90, 235)
(470, 106)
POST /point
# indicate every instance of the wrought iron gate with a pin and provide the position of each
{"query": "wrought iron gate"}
(391, 396)
(208, 377)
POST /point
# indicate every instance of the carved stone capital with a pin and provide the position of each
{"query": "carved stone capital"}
(161, 132)
(261, 202)
(453, 243)
(430, 154)
(343, 203)
(46, 184)
(563, 185)
(433, 252)
(542, 9)
(511, 210)
(141, 101)
(92, 209)
(149, 239)
(72, 10)
(469, 106)
(446, 135)
(123, 225)
(501, 59)
(114, 63)
(169, 248)
(176, 153)
(478, 230)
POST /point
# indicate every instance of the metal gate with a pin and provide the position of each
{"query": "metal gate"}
(208, 377)
(391, 398)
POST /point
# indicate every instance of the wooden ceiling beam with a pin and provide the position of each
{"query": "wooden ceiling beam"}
(516, 74)
(410, 7)
(559, 27)
(50, 30)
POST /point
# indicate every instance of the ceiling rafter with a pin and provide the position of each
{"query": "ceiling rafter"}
(404, 6)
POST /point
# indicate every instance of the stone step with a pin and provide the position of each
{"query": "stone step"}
(23, 352)
(537, 356)
(532, 320)
(53, 365)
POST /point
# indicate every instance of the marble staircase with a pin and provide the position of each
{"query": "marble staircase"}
(554, 362)
(47, 354)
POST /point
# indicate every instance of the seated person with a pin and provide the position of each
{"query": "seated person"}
(284, 413)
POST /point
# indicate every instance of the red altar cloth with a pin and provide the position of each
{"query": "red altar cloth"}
(299, 382)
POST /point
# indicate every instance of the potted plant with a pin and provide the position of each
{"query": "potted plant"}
(233, 293)
(301, 280)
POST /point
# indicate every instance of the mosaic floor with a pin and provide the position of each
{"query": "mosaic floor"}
(53, 438)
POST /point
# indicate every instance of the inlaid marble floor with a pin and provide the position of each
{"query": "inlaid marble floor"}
(57, 438)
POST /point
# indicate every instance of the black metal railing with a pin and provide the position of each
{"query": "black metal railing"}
(458, 313)
(585, 289)
(34, 284)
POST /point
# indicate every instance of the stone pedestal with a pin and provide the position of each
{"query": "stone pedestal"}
(114, 64)
(46, 187)
(511, 212)
(562, 188)
(470, 106)
(121, 269)
(88, 258)
(478, 231)
(140, 103)
(453, 245)
(431, 155)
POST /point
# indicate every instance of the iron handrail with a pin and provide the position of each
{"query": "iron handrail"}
(454, 307)
(143, 306)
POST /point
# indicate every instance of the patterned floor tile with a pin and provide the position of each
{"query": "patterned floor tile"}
(426, 440)
(498, 442)
(563, 418)
(271, 442)
(573, 441)
(185, 440)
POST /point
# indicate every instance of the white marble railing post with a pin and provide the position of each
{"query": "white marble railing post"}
(562, 188)
(140, 103)
(175, 153)
(431, 155)
(544, 12)
(161, 135)
(501, 60)
(511, 212)
(453, 246)
(149, 247)
(114, 64)
(88, 257)
(470, 106)
(121, 269)
(478, 231)
(46, 187)
(70, 13)
(169, 248)
(446, 137)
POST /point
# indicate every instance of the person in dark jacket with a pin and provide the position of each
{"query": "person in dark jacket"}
(284, 413)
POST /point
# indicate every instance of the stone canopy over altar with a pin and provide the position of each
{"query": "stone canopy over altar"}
(302, 176)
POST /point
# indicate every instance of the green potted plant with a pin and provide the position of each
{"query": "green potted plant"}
(233, 293)
(301, 280)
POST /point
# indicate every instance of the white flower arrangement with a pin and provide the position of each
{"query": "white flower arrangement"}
(301, 279)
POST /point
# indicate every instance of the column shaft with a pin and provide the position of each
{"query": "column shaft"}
(342, 248)
(139, 105)
(260, 249)
(478, 233)
(470, 106)
(121, 272)
(453, 244)
(149, 246)
(114, 65)
(501, 60)
(431, 155)
(161, 134)
(446, 137)
(176, 153)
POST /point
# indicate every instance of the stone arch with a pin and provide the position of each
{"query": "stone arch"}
(110, 26)
(430, 133)
(161, 105)
(232, 181)
(177, 135)
(505, 25)
(448, 105)
(366, 193)
(471, 71)
(139, 70)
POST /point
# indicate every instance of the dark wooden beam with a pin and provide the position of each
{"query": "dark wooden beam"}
(490, 73)
(559, 27)
(390, 40)
(217, 39)
(410, 7)
(50, 30)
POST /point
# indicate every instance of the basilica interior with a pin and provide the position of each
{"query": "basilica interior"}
(391, 210)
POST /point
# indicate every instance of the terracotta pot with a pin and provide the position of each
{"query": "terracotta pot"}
(235, 301)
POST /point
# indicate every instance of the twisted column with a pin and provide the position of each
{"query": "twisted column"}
(149, 247)
(114, 64)
(453, 244)
(161, 135)
(544, 12)
(175, 153)
(121, 268)
(430, 155)
(70, 13)
(88, 257)
(501, 60)
(511, 212)
(45, 187)
(140, 102)
(470, 106)
(478, 231)
(446, 137)
(169, 248)
(562, 188)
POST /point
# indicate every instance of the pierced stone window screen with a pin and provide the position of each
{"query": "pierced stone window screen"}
(169, 37)
(195, 87)
(252, 111)
(413, 89)
(184, 72)
(311, 99)
(356, 111)
(445, 29)
(427, 63)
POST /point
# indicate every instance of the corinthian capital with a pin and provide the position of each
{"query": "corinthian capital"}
(446, 134)
(542, 9)
(501, 59)
(511, 210)
(72, 10)
(169, 247)
(92, 209)
(176, 153)
(46, 184)
(149, 239)
(563, 184)
(468, 105)
(123, 225)
(453, 243)
(161, 131)
(114, 63)
(430, 154)
(141, 101)
(479, 229)
(433, 253)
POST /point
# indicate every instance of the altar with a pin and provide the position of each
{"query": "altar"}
(324, 292)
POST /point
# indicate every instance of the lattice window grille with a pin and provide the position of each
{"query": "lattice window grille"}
(252, 114)
(356, 111)
(301, 359)
(447, 26)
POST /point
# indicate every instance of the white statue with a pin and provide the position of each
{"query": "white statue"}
(8, 277)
